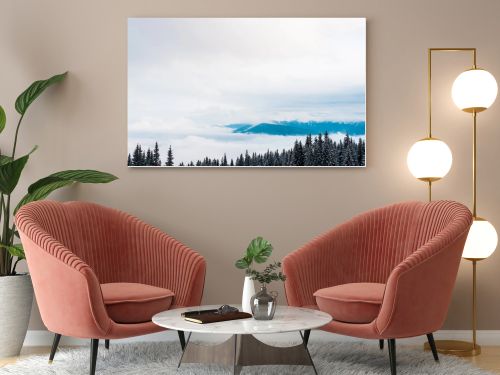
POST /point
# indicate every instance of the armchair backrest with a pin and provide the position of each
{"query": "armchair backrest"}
(419, 289)
(92, 232)
(67, 290)
(386, 236)
(379, 241)
(368, 247)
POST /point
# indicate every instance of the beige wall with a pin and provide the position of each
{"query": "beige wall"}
(83, 124)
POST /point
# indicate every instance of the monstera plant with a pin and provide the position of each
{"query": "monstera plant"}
(258, 250)
(16, 292)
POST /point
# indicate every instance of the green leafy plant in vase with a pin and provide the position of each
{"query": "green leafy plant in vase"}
(269, 274)
(16, 292)
(262, 305)
(258, 251)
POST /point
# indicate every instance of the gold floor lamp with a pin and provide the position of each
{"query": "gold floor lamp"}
(430, 159)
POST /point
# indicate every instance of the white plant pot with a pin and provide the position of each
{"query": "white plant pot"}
(248, 292)
(16, 298)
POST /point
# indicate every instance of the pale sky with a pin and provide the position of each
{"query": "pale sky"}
(187, 78)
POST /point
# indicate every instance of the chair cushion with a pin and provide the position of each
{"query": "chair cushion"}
(135, 303)
(351, 303)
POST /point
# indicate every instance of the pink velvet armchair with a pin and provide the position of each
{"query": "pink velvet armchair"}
(385, 274)
(99, 273)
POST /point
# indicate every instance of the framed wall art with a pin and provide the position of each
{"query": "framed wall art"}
(247, 92)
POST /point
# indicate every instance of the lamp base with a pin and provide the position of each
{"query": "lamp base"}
(456, 348)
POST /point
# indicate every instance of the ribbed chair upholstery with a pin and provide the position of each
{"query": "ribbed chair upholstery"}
(385, 274)
(82, 257)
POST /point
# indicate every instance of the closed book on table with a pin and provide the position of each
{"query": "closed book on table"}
(212, 317)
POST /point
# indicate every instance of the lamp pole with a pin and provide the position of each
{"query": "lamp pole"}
(476, 349)
(474, 165)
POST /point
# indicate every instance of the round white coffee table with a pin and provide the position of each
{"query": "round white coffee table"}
(242, 348)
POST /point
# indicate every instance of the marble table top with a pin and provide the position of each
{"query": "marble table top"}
(286, 319)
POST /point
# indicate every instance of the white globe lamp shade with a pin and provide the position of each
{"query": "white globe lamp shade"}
(481, 241)
(429, 159)
(474, 90)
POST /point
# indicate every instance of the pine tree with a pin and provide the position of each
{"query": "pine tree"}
(308, 151)
(361, 152)
(224, 161)
(328, 151)
(336, 154)
(247, 159)
(149, 158)
(318, 150)
(277, 159)
(284, 158)
(253, 159)
(129, 160)
(348, 155)
(298, 154)
(239, 161)
(137, 156)
(156, 155)
(170, 157)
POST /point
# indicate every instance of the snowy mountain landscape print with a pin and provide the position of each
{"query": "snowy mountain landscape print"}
(246, 92)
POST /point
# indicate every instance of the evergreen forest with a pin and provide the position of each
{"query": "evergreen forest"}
(318, 151)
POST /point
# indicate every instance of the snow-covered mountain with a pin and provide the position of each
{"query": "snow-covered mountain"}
(300, 128)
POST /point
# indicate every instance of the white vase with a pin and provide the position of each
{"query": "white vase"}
(248, 292)
(16, 298)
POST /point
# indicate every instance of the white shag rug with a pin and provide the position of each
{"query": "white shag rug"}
(162, 357)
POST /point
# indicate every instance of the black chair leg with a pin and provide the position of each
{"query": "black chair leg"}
(55, 344)
(182, 339)
(106, 344)
(392, 355)
(94, 346)
(432, 344)
(381, 344)
(307, 333)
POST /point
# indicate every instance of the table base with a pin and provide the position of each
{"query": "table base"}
(246, 350)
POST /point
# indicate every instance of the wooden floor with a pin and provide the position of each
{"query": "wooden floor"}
(488, 360)
(26, 352)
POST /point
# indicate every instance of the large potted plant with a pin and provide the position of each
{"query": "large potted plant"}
(16, 291)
